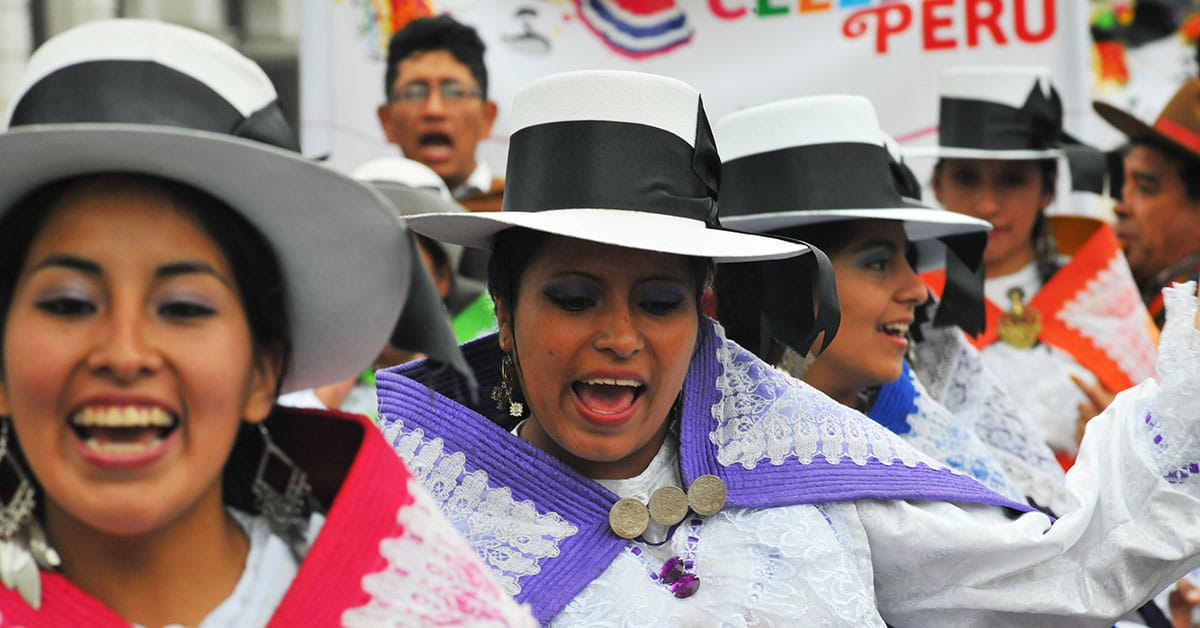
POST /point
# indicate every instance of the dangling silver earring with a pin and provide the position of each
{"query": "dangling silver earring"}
(286, 510)
(23, 545)
(505, 394)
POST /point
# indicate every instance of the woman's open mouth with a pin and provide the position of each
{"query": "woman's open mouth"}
(122, 436)
(897, 332)
(607, 400)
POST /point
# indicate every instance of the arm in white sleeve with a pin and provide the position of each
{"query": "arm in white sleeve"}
(1134, 530)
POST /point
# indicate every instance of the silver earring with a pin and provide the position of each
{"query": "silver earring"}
(285, 510)
(505, 394)
(23, 545)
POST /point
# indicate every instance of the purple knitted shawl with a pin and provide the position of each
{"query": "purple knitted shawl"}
(543, 527)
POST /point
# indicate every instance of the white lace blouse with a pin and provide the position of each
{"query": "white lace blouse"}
(911, 563)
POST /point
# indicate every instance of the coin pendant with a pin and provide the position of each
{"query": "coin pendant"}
(628, 518)
(668, 505)
(707, 495)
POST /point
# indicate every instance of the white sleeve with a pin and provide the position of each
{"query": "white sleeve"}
(306, 398)
(1134, 530)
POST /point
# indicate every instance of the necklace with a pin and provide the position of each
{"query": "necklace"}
(676, 572)
(668, 505)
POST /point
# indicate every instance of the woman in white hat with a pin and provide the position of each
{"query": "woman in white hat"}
(169, 265)
(817, 169)
(658, 473)
(1062, 305)
(411, 187)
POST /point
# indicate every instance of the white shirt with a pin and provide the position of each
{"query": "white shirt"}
(480, 182)
(1129, 534)
(1038, 378)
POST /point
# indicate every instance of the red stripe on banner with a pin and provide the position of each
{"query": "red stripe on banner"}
(645, 7)
(1179, 133)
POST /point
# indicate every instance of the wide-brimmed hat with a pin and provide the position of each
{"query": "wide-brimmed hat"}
(1178, 123)
(413, 187)
(410, 186)
(620, 158)
(821, 159)
(818, 159)
(997, 112)
(161, 100)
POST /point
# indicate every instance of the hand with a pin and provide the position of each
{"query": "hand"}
(1182, 602)
(1096, 400)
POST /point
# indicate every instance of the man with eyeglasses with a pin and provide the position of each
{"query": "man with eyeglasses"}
(437, 109)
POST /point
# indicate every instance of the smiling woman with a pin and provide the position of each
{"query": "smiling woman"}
(1065, 320)
(155, 301)
(662, 473)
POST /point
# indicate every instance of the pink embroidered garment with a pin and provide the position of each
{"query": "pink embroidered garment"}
(385, 555)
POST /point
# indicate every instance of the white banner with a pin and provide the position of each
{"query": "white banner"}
(736, 52)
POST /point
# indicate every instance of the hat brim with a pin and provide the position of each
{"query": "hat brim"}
(954, 152)
(617, 227)
(919, 223)
(922, 226)
(410, 201)
(342, 308)
(1134, 128)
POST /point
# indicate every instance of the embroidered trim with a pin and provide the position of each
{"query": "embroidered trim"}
(764, 416)
(1169, 421)
(511, 536)
(413, 588)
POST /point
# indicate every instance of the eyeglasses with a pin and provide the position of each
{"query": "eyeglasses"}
(417, 93)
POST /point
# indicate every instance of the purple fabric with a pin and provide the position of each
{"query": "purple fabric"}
(534, 475)
(527, 471)
(795, 482)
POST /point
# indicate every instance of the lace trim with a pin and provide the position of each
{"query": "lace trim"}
(764, 415)
(1170, 424)
(511, 536)
(951, 440)
(432, 578)
(955, 375)
(1110, 313)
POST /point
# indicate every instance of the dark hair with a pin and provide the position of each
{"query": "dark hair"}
(440, 32)
(255, 268)
(1187, 163)
(516, 248)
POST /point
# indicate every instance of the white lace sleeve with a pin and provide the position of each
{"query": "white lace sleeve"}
(1172, 427)
(1130, 533)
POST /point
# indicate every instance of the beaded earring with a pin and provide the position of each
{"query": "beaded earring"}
(507, 393)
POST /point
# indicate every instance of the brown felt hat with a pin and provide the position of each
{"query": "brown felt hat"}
(1178, 124)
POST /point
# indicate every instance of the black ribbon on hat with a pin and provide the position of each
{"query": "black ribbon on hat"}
(762, 303)
(613, 165)
(842, 175)
(962, 297)
(149, 93)
(991, 126)
(1088, 165)
(849, 175)
(796, 314)
(145, 92)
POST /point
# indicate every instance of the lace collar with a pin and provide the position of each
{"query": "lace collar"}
(543, 527)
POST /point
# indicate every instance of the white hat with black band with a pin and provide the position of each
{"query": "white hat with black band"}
(157, 99)
(620, 158)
